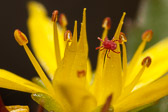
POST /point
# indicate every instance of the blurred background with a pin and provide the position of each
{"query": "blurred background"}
(13, 14)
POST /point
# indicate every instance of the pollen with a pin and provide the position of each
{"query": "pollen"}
(107, 23)
(147, 61)
(20, 37)
(147, 35)
(68, 36)
(63, 20)
(122, 38)
(54, 15)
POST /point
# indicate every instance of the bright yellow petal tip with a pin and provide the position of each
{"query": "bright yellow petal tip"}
(36, 8)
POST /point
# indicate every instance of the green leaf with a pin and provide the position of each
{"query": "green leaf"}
(47, 102)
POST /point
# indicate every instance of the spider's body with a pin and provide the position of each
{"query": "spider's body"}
(108, 45)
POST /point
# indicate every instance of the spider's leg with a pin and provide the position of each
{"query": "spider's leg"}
(108, 53)
(116, 52)
(99, 47)
(99, 39)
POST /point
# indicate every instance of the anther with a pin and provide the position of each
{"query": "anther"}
(107, 23)
(147, 61)
(20, 37)
(63, 20)
(54, 15)
(122, 38)
(68, 36)
(147, 35)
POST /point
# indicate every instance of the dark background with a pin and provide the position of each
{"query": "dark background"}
(13, 14)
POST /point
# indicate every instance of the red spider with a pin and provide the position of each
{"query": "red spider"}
(108, 44)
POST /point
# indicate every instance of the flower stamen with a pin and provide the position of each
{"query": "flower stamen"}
(146, 37)
(106, 25)
(145, 63)
(122, 40)
(63, 20)
(55, 15)
(21, 37)
(68, 36)
(56, 40)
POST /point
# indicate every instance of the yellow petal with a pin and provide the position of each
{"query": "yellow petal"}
(64, 71)
(74, 62)
(75, 59)
(70, 84)
(111, 78)
(79, 98)
(70, 76)
(95, 87)
(144, 95)
(9, 80)
(158, 67)
(41, 36)
(89, 75)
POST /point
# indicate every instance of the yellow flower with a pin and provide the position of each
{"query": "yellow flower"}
(116, 86)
